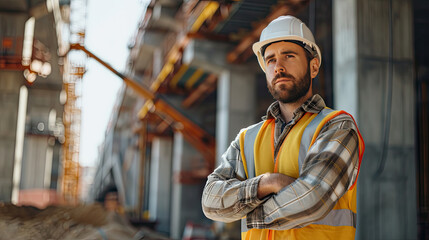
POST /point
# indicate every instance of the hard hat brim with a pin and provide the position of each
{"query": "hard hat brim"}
(258, 46)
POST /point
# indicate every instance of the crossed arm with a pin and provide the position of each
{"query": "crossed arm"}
(271, 183)
(277, 201)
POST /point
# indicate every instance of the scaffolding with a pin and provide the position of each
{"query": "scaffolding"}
(74, 69)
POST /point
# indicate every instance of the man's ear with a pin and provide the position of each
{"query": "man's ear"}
(314, 67)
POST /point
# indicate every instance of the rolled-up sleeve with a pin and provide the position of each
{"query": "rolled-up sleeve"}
(329, 169)
(227, 196)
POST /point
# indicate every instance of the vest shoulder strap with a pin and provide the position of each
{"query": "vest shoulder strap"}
(308, 134)
(248, 138)
(250, 134)
(247, 147)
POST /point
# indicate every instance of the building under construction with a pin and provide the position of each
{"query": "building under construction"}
(191, 83)
(40, 94)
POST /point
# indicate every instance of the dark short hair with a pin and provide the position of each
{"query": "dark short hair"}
(308, 54)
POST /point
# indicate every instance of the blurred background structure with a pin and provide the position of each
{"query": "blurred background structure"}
(38, 103)
(191, 83)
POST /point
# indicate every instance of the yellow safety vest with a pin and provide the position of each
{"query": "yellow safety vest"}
(257, 147)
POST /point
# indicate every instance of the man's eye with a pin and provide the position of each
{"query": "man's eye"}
(271, 60)
(290, 56)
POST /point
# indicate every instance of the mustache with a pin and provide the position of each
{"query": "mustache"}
(282, 75)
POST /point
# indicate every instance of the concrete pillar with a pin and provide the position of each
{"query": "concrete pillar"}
(345, 56)
(236, 92)
(373, 79)
(160, 183)
(236, 109)
(235, 106)
(186, 196)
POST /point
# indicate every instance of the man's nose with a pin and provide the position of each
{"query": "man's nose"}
(279, 67)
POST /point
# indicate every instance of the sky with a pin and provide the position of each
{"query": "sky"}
(110, 27)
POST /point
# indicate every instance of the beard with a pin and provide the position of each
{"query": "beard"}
(290, 94)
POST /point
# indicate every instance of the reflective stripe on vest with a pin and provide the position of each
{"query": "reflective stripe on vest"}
(341, 217)
(336, 218)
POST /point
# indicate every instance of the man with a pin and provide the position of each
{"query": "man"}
(293, 175)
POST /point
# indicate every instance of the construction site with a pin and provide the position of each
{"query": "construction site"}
(191, 82)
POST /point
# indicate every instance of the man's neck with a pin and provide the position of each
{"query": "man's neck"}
(288, 109)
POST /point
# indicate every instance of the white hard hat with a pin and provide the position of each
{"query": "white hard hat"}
(286, 28)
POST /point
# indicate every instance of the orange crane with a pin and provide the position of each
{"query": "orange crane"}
(194, 134)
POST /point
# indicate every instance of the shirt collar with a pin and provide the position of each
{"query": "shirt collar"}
(315, 104)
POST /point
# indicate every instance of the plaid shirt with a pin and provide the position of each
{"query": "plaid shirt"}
(329, 169)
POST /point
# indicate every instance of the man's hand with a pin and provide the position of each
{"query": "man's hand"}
(272, 183)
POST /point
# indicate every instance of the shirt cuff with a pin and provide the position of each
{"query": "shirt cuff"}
(249, 192)
(255, 218)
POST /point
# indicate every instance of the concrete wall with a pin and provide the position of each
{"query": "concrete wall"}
(34, 163)
(38, 154)
(10, 83)
(373, 79)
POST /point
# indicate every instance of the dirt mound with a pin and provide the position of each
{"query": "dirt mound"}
(63, 222)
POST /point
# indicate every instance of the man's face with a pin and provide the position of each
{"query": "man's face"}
(287, 71)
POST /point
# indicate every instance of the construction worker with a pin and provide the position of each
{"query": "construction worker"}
(292, 175)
